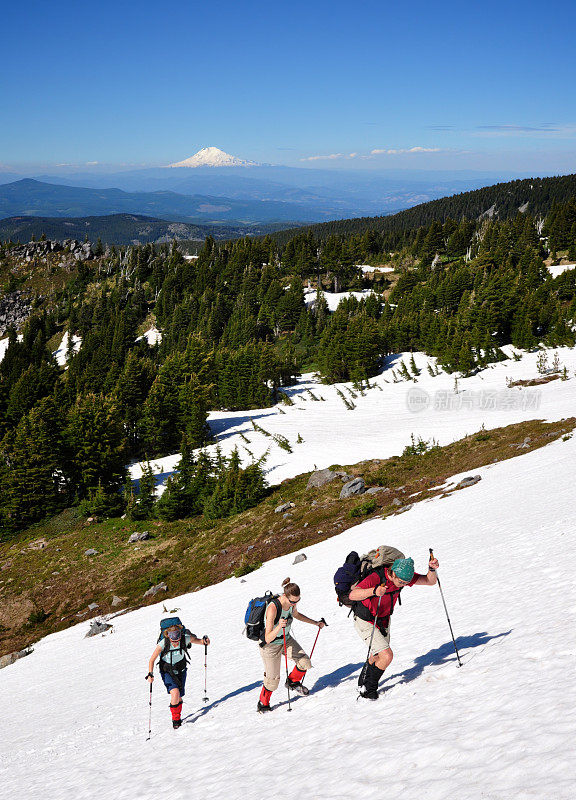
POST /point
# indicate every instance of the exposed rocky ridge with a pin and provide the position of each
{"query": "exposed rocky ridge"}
(81, 251)
(14, 311)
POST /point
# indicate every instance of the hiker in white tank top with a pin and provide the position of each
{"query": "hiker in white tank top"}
(278, 625)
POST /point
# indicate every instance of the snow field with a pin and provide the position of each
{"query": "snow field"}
(75, 712)
(386, 416)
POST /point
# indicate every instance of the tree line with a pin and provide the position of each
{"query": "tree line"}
(236, 329)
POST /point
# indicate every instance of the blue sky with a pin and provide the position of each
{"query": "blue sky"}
(456, 85)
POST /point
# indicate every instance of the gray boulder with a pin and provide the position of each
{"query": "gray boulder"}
(93, 606)
(116, 601)
(160, 587)
(138, 537)
(354, 487)
(97, 626)
(91, 552)
(320, 478)
(405, 508)
(377, 489)
(396, 502)
(299, 558)
(284, 507)
(469, 481)
(6, 660)
(344, 476)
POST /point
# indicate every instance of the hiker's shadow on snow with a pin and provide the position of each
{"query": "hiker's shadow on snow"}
(444, 655)
(436, 657)
(195, 715)
(339, 675)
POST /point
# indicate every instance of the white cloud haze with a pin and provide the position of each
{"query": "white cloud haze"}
(373, 153)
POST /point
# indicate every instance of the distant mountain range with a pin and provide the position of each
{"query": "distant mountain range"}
(503, 200)
(29, 197)
(214, 187)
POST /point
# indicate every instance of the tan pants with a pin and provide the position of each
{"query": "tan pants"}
(379, 642)
(273, 655)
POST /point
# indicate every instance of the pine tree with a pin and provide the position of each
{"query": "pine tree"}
(34, 483)
(146, 499)
(96, 437)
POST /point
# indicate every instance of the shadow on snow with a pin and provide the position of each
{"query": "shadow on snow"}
(438, 656)
(200, 713)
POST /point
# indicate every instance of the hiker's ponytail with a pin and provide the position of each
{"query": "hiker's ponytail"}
(291, 589)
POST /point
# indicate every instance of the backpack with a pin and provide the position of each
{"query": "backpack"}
(255, 616)
(355, 569)
(168, 623)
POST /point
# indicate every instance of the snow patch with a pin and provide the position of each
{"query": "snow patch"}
(4, 344)
(558, 269)
(334, 298)
(62, 352)
(152, 336)
(370, 268)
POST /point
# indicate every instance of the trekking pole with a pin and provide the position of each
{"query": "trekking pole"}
(205, 698)
(150, 715)
(286, 658)
(317, 635)
(446, 610)
(364, 669)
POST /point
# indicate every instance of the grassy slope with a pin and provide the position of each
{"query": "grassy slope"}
(59, 581)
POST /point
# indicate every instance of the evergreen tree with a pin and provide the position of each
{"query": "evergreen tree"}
(96, 436)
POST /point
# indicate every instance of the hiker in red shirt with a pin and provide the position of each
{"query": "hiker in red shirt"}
(374, 600)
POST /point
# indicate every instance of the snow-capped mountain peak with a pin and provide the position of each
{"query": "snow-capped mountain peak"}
(213, 157)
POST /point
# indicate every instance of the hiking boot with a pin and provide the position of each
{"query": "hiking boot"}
(297, 687)
(371, 676)
(176, 723)
(261, 708)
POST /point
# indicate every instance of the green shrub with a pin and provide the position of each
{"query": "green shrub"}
(364, 509)
(37, 617)
(245, 567)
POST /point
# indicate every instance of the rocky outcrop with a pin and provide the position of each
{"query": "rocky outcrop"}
(323, 476)
(14, 311)
(5, 661)
(81, 251)
(97, 626)
(160, 587)
(469, 481)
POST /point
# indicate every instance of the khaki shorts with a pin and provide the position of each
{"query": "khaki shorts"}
(273, 655)
(379, 642)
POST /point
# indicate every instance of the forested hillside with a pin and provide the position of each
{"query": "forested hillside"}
(234, 329)
(535, 196)
(120, 229)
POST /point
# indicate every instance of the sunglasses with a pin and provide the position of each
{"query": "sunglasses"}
(293, 602)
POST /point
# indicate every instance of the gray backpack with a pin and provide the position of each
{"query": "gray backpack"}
(383, 556)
